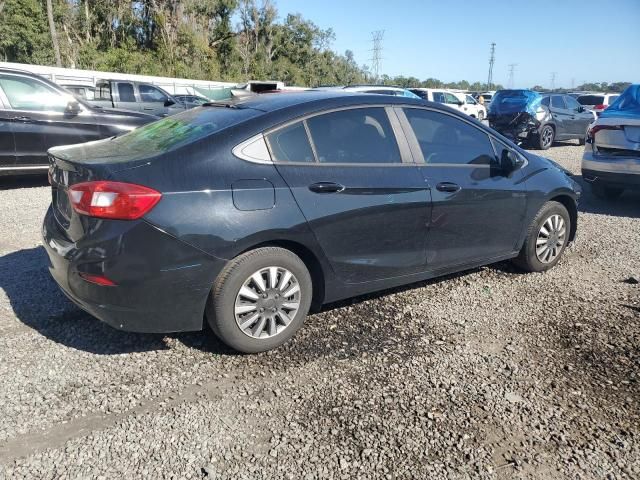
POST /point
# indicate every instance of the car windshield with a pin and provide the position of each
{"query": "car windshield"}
(514, 101)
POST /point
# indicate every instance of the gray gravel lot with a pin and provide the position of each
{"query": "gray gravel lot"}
(486, 374)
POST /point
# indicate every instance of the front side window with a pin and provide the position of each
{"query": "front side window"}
(150, 94)
(545, 101)
(103, 92)
(557, 102)
(31, 95)
(290, 144)
(125, 92)
(445, 139)
(572, 103)
(451, 99)
(470, 100)
(359, 135)
(612, 98)
(439, 97)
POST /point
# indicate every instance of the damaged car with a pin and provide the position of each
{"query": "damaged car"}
(529, 118)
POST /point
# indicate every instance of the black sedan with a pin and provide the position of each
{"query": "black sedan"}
(245, 214)
(36, 114)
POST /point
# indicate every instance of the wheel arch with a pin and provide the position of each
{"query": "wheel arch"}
(570, 204)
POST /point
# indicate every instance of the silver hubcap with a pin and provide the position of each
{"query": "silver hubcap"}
(547, 136)
(550, 241)
(267, 302)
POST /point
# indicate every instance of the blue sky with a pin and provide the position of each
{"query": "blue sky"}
(581, 40)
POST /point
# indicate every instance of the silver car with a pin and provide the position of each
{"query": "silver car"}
(611, 160)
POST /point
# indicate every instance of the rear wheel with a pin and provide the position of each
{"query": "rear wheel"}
(605, 192)
(546, 240)
(260, 299)
(545, 137)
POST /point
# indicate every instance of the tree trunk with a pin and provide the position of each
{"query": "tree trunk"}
(87, 19)
(54, 37)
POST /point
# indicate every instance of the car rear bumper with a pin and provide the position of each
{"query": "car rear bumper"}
(622, 180)
(161, 283)
(613, 170)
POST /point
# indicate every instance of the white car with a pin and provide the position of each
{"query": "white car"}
(597, 102)
(458, 101)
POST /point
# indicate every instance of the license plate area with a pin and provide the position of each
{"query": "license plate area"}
(61, 206)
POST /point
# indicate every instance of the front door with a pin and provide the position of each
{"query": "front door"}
(366, 203)
(581, 119)
(563, 118)
(39, 119)
(478, 213)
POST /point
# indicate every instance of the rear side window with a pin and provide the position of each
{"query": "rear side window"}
(451, 99)
(125, 92)
(290, 144)
(361, 135)
(571, 102)
(557, 102)
(591, 100)
(444, 139)
(438, 97)
(612, 98)
(545, 101)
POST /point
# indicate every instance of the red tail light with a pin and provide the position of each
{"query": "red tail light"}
(115, 200)
(600, 107)
(97, 279)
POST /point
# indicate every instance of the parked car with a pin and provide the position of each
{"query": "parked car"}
(36, 114)
(597, 102)
(84, 92)
(191, 101)
(528, 117)
(249, 212)
(458, 101)
(487, 97)
(611, 159)
(380, 90)
(139, 96)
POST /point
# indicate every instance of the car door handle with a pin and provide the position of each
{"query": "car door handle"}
(148, 108)
(22, 119)
(448, 187)
(326, 187)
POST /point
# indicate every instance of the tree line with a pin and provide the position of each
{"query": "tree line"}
(229, 40)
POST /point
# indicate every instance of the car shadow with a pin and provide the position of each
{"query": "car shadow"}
(23, 181)
(628, 205)
(39, 304)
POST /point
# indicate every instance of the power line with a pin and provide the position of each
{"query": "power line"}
(512, 67)
(376, 53)
(492, 60)
(553, 80)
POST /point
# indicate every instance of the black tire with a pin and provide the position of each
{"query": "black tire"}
(528, 259)
(582, 141)
(220, 310)
(605, 192)
(546, 137)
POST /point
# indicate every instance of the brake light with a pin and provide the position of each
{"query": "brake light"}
(97, 279)
(114, 200)
(600, 107)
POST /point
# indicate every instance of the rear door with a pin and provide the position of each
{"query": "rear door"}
(352, 176)
(563, 118)
(7, 143)
(478, 212)
(126, 96)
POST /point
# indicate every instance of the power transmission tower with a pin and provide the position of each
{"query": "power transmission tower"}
(376, 53)
(573, 83)
(512, 67)
(492, 60)
(553, 81)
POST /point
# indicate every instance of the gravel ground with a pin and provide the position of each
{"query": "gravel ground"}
(486, 374)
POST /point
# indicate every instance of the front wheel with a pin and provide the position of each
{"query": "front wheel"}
(546, 240)
(260, 299)
(545, 137)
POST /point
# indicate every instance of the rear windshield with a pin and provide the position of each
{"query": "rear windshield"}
(591, 100)
(164, 135)
(513, 101)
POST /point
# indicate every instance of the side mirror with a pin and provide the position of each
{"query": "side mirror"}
(73, 107)
(460, 103)
(168, 102)
(509, 161)
(580, 109)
